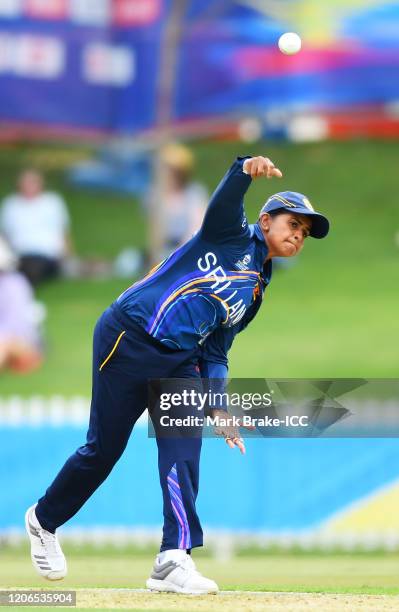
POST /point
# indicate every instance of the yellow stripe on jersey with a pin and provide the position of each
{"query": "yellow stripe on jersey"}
(186, 289)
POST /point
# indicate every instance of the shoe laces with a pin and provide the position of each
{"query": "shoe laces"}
(188, 564)
(49, 541)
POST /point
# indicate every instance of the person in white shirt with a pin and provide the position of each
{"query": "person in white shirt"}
(36, 225)
(184, 200)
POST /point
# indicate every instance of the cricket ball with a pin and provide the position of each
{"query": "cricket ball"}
(289, 43)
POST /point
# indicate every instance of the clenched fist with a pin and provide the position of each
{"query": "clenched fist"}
(261, 166)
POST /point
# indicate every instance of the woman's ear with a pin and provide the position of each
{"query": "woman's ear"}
(265, 221)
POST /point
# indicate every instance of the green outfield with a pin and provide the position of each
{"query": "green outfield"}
(365, 579)
(372, 573)
(333, 313)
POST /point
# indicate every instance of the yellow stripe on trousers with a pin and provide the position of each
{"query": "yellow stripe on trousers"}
(113, 350)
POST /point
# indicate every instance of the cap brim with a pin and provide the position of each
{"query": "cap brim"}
(320, 224)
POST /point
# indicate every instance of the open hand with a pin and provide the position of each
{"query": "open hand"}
(229, 430)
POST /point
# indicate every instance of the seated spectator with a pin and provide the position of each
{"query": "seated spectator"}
(20, 338)
(184, 200)
(35, 223)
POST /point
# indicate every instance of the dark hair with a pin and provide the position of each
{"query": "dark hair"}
(278, 211)
(273, 213)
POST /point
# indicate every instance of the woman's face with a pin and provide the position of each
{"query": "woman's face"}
(30, 183)
(285, 233)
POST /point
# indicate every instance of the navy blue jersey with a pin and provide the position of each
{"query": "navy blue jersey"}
(209, 289)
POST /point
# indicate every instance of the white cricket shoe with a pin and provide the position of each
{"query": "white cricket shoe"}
(47, 556)
(175, 571)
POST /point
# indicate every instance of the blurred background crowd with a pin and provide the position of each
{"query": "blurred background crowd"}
(117, 120)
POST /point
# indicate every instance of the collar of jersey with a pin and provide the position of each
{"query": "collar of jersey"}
(261, 253)
(255, 229)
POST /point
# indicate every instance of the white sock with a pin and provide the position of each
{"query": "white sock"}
(174, 554)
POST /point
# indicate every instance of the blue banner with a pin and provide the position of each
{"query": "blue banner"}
(81, 69)
(96, 64)
(279, 486)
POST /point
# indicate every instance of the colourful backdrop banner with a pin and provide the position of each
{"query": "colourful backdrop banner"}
(79, 64)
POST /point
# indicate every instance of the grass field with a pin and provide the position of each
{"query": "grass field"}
(335, 582)
(332, 314)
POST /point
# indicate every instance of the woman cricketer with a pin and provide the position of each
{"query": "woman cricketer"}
(177, 322)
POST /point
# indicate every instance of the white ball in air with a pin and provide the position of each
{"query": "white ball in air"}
(289, 43)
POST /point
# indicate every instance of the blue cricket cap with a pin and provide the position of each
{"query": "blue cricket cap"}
(294, 202)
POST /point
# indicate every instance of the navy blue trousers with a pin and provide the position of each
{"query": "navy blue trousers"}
(124, 358)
